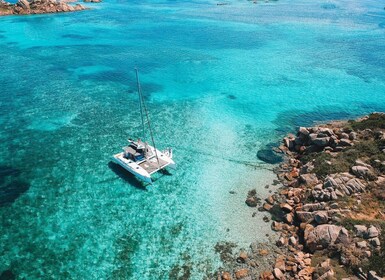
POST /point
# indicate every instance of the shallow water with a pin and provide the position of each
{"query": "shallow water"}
(221, 83)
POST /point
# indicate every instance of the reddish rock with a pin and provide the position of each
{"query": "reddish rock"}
(282, 241)
(267, 206)
(263, 252)
(306, 272)
(289, 218)
(278, 274)
(25, 7)
(226, 276)
(242, 273)
(267, 275)
(252, 201)
(286, 207)
(270, 200)
(294, 173)
(280, 264)
(242, 257)
(277, 226)
(293, 240)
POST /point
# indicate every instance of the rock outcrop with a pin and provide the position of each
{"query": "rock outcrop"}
(25, 7)
(321, 237)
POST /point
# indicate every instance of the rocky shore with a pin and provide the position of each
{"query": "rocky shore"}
(330, 210)
(27, 7)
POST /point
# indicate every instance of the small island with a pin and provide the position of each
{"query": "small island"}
(29, 7)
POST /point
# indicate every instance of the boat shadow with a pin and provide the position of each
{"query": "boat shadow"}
(127, 176)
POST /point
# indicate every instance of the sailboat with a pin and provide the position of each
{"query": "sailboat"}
(140, 158)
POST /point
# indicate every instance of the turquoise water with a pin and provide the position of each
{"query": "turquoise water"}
(221, 83)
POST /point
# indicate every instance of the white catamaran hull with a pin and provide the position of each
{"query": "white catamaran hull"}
(138, 157)
(143, 169)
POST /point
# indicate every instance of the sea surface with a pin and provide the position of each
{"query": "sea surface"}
(221, 83)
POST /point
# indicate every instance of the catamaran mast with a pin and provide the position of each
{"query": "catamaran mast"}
(143, 108)
(140, 102)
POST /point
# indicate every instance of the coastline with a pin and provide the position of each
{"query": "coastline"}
(329, 210)
(33, 7)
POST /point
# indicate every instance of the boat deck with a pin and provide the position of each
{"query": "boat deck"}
(151, 166)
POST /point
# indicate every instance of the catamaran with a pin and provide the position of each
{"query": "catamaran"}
(140, 158)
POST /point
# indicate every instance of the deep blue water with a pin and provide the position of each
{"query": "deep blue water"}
(221, 83)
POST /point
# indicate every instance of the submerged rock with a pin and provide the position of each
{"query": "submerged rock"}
(269, 156)
(242, 273)
(7, 275)
(12, 191)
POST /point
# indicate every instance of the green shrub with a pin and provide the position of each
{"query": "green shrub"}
(338, 164)
(375, 121)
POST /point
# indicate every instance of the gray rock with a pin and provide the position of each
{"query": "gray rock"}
(321, 135)
(321, 217)
(305, 217)
(330, 183)
(333, 195)
(304, 131)
(24, 4)
(312, 137)
(372, 275)
(338, 148)
(338, 193)
(350, 189)
(293, 241)
(321, 236)
(254, 248)
(344, 135)
(343, 237)
(360, 171)
(313, 207)
(345, 143)
(352, 136)
(359, 162)
(362, 244)
(326, 196)
(345, 190)
(321, 142)
(281, 241)
(278, 273)
(372, 232)
(298, 141)
(309, 179)
(375, 242)
(327, 131)
(360, 230)
(334, 205)
(288, 142)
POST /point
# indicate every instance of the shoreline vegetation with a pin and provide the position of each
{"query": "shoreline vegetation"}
(330, 211)
(29, 7)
